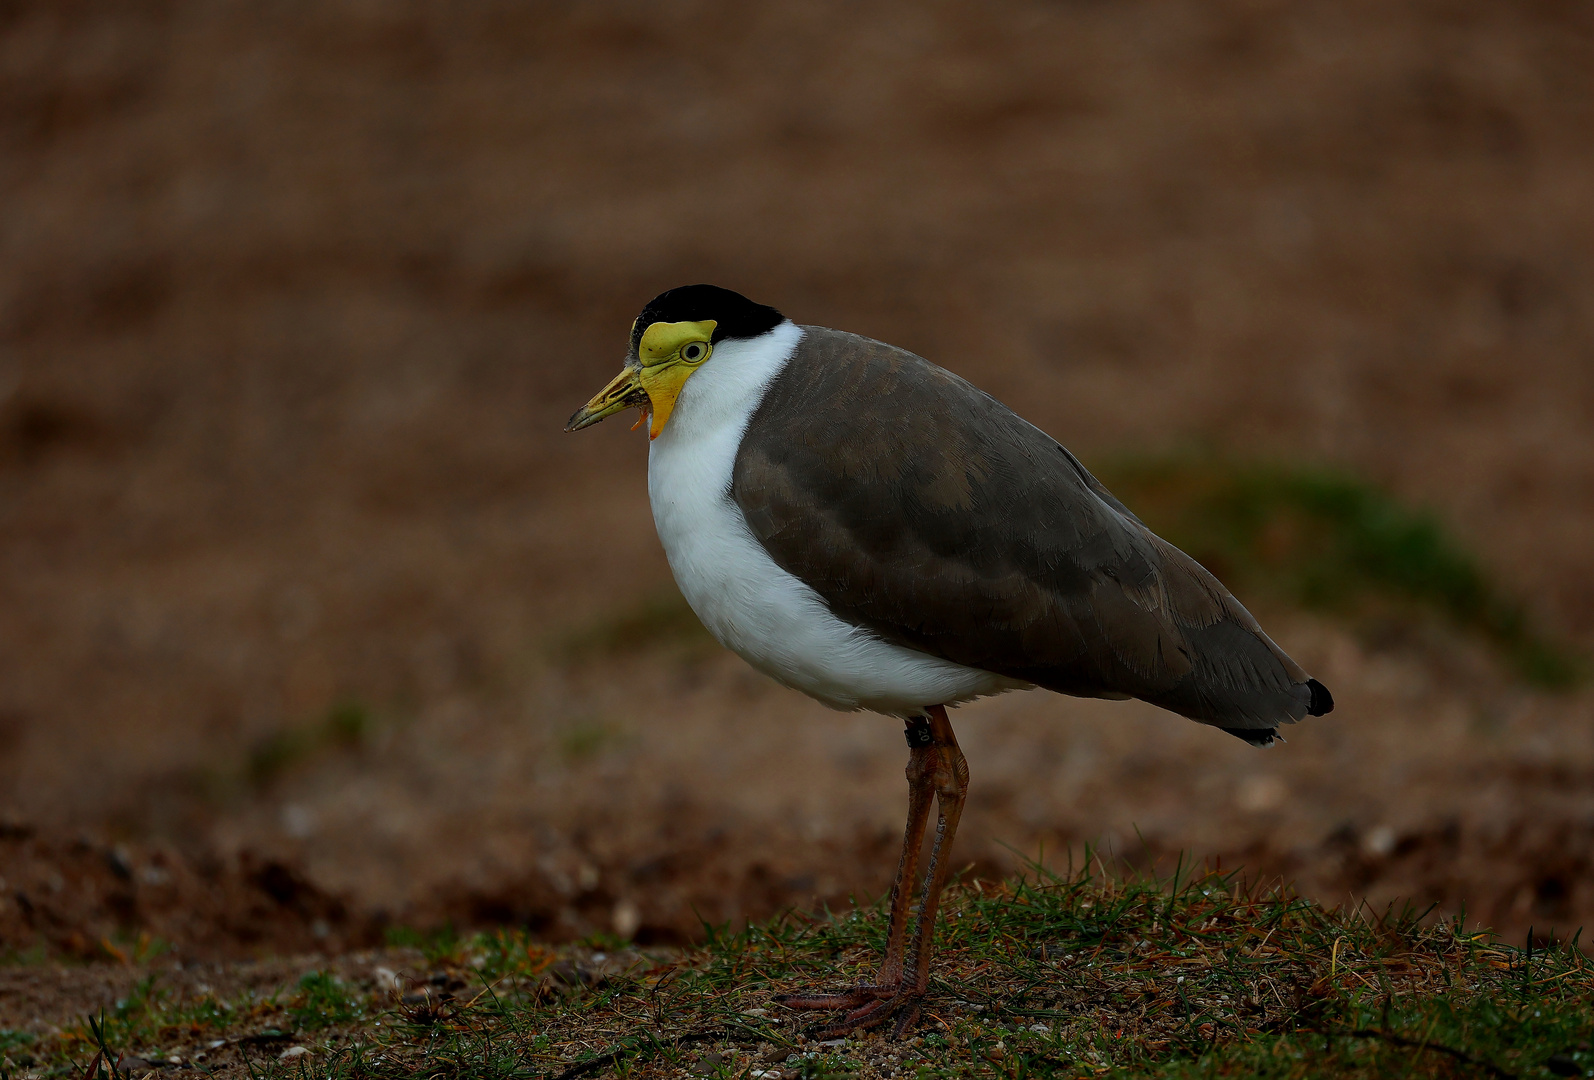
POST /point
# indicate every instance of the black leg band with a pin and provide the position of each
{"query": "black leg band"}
(919, 734)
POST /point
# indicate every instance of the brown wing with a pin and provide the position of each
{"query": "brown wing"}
(928, 512)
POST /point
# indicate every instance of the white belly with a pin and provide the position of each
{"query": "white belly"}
(765, 615)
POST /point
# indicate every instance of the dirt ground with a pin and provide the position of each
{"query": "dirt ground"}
(301, 578)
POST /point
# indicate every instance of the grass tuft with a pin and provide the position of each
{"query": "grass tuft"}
(323, 1000)
(1331, 542)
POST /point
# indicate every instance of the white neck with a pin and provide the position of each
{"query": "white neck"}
(725, 391)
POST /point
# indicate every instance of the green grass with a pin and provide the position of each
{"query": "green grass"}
(438, 946)
(28, 957)
(1068, 975)
(1330, 541)
(1046, 975)
(11, 1041)
(661, 619)
(344, 726)
(584, 739)
(323, 1001)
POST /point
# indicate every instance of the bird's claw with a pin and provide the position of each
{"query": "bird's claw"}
(867, 1006)
(846, 999)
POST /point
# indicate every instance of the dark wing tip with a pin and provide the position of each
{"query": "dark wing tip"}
(1254, 736)
(1322, 700)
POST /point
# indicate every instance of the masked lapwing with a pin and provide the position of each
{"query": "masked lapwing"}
(872, 530)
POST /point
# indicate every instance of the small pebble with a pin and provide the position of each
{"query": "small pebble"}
(707, 1063)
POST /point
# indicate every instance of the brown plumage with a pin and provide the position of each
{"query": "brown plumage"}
(928, 512)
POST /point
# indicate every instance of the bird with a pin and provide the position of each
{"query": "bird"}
(872, 530)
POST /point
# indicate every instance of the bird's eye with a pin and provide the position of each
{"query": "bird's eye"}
(694, 352)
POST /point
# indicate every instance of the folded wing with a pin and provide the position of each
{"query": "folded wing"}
(929, 513)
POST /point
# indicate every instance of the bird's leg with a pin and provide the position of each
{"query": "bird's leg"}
(951, 791)
(921, 789)
(942, 769)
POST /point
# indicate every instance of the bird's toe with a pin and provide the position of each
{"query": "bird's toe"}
(852, 998)
(868, 1009)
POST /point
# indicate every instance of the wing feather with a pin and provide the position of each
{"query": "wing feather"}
(926, 511)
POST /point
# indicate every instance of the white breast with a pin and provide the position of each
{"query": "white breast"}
(767, 616)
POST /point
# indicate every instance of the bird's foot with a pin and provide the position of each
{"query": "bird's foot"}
(861, 994)
(866, 1006)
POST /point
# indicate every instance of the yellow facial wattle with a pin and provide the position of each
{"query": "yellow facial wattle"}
(667, 355)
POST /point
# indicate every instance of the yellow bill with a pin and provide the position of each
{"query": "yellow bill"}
(667, 354)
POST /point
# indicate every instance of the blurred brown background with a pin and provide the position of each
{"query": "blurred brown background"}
(299, 570)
